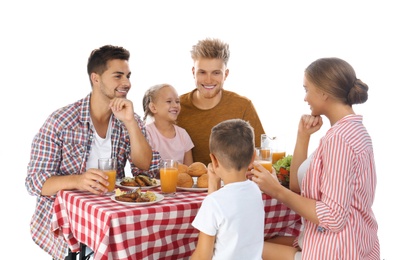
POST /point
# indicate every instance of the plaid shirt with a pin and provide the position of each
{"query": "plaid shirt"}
(62, 147)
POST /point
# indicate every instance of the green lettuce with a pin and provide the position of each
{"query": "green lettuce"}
(283, 163)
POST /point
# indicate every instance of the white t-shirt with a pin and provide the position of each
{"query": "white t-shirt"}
(303, 168)
(100, 147)
(170, 148)
(235, 215)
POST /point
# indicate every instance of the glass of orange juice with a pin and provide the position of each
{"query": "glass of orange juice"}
(168, 176)
(266, 164)
(263, 157)
(263, 153)
(277, 155)
(109, 166)
(277, 149)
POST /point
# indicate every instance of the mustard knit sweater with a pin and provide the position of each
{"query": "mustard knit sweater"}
(198, 123)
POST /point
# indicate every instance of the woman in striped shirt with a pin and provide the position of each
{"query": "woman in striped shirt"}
(333, 189)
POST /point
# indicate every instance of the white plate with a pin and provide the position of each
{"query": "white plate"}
(159, 198)
(194, 189)
(136, 187)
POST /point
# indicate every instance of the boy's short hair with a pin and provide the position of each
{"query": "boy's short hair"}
(233, 143)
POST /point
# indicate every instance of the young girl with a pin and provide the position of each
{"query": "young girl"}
(173, 142)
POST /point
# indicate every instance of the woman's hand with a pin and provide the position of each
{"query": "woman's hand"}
(267, 181)
(248, 173)
(309, 124)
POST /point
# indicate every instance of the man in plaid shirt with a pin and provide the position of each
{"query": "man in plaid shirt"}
(65, 151)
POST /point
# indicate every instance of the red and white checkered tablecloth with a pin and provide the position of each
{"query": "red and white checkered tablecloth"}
(158, 231)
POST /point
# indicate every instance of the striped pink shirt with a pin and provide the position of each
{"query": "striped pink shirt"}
(342, 178)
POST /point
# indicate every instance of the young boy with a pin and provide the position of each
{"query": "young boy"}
(231, 218)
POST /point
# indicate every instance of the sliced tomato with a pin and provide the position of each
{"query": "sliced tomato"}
(280, 177)
(283, 171)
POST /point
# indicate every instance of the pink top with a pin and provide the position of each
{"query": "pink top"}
(342, 178)
(170, 148)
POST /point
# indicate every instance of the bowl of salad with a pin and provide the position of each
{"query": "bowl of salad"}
(282, 168)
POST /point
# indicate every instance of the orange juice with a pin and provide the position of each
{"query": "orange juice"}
(265, 153)
(111, 179)
(169, 178)
(262, 153)
(277, 156)
(266, 164)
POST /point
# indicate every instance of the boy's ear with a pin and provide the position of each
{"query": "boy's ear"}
(252, 160)
(214, 160)
(253, 156)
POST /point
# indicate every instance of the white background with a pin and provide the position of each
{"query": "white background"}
(45, 46)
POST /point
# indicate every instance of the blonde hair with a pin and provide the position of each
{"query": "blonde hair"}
(150, 96)
(211, 49)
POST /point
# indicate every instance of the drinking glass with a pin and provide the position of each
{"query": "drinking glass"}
(109, 166)
(168, 176)
(277, 149)
(263, 157)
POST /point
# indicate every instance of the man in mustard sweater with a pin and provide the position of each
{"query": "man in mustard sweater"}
(209, 104)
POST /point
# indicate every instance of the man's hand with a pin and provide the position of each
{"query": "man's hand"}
(123, 110)
(93, 180)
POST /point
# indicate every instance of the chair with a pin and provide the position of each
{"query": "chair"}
(81, 254)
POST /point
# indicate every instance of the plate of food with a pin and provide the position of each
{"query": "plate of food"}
(140, 181)
(136, 197)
